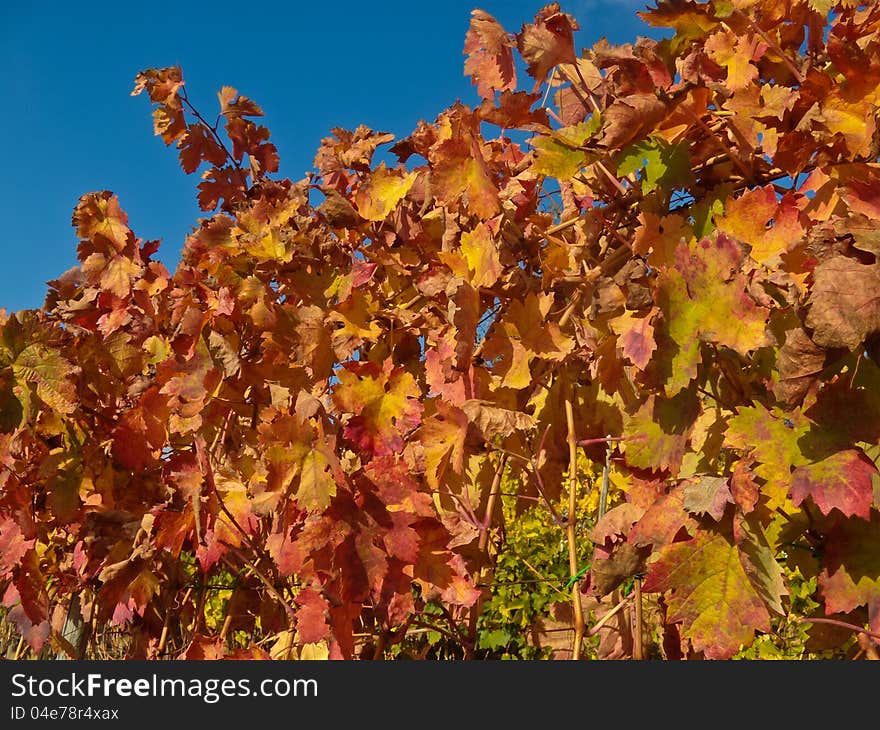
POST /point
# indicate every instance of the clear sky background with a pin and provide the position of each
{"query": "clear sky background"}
(69, 126)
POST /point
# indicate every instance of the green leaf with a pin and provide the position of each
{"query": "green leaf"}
(558, 154)
(705, 298)
(658, 433)
(661, 164)
(496, 639)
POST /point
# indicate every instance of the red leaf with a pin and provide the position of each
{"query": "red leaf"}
(663, 520)
(402, 541)
(384, 403)
(221, 183)
(743, 488)
(489, 52)
(204, 648)
(13, 545)
(843, 480)
(210, 551)
(547, 42)
(851, 577)
(34, 633)
(311, 618)
(198, 145)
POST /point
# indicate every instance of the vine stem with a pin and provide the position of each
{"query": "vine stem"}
(212, 129)
(605, 440)
(482, 546)
(163, 637)
(549, 87)
(610, 615)
(841, 624)
(869, 648)
(381, 644)
(207, 470)
(570, 528)
(291, 611)
(491, 501)
(799, 77)
(638, 647)
(606, 476)
(539, 482)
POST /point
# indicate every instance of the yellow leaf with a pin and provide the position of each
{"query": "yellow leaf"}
(269, 246)
(356, 317)
(316, 484)
(314, 652)
(381, 193)
(283, 646)
(461, 170)
(116, 277)
(769, 226)
(852, 119)
(736, 53)
(481, 255)
(558, 155)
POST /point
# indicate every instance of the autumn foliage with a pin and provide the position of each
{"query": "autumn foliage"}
(662, 257)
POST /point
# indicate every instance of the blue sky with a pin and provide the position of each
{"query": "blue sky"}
(70, 127)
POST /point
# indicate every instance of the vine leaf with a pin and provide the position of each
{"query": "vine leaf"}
(737, 54)
(559, 154)
(759, 562)
(461, 170)
(770, 227)
(844, 305)
(707, 495)
(198, 145)
(843, 480)
(384, 402)
(489, 52)
(851, 576)
(311, 621)
(13, 545)
(547, 42)
(725, 313)
(706, 295)
(665, 520)
(662, 164)
(492, 421)
(635, 336)
(800, 364)
(709, 592)
(771, 438)
(317, 486)
(658, 432)
(99, 216)
(50, 374)
(482, 257)
(443, 437)
(382, 191)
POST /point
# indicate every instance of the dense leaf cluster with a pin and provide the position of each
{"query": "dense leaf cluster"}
(672, 244)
